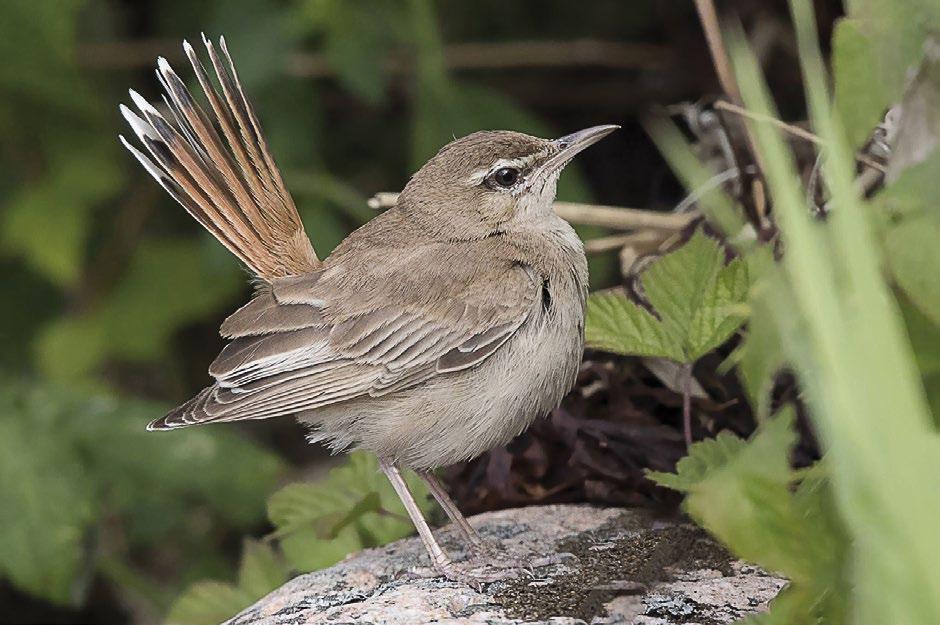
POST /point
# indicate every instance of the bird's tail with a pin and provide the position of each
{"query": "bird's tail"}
(216, 164)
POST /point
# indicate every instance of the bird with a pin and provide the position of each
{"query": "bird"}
(438, 330)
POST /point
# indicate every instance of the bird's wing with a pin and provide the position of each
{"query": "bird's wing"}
(217, 165)
(321, 339)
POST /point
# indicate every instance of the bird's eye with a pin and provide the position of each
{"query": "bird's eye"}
(504, 177)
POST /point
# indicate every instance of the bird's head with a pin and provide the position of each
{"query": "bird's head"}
(491, 180)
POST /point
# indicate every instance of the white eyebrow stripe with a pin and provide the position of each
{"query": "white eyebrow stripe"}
(520, 163)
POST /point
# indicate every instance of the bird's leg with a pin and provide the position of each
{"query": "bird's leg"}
(479, 550)
(439, 560)
(474, 543)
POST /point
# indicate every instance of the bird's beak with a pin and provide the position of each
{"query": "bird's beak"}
(570, 145)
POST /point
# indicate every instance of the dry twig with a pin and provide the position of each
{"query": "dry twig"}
(716, 47)
(792, 129)
(613, 217)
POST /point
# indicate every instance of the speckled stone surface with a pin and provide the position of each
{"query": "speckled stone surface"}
(626, 568)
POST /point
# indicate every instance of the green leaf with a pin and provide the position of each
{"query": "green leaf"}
(47, 507)
(48, 222)
(67, 458)
(761, 354)
(358, 43)
(695, 294)
(924, 335)
(614, 323)
(354, 506)
(912, 192)
(38, 39)
(732, 486)
(70, 457)
(911, 249)
(761, 357)
(854, 363)
(208, 603)
(768, 450)
(305, 551)
(861, 100)
(371, 502)
(301, 505)
(874, 49)
(699, 300)
(703, 458)
(261, 570)
(742, 493)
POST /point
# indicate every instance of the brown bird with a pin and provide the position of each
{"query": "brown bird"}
(438, 330)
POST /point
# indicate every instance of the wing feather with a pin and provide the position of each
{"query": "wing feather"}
(218, 167)
(373, 353)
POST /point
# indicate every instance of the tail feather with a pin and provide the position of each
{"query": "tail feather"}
(217, 165)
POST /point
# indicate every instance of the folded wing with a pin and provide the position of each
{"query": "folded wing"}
(289, 357)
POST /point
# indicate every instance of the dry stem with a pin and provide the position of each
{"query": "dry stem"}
(709, 18)
(613, 217)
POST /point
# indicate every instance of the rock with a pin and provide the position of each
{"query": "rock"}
(628, 567)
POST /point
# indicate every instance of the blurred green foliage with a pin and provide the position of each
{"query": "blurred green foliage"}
(697, 299)
(83, 484)
(852, 308)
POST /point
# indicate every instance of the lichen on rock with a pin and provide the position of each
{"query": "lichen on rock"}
(626, 567)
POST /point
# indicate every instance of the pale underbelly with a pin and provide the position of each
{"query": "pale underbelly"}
(458, 416)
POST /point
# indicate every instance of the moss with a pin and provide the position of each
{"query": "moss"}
(620, 558)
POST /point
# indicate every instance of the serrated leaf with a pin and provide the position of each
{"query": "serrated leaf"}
(304, 551)
(675, 284)
(721, 312)
(741, 492)
(695, 294)
(750, 513)
(704, 457)
(746, 502)
(208, 603)
(613, 323)
(700, 302)
(260, 570)
(301, 505)
(353, 507)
